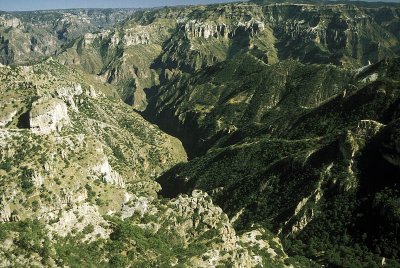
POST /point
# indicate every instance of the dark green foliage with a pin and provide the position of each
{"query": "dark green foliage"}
(91, 193)
(239, 93)
(118, 261)
(88, 229)
(280, 145)
(26, 180)
(31, 237)
(118, 153)
(35, 205)
(131, 244)
(278, 157)
(6, 164)
(76, 254)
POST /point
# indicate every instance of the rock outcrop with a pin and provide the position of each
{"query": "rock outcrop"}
(67, 94)
(368, 128)
(137, 36)
(7, 118)
(192, 216)
(103, 171)
(48, 115)
(79, 217)
(33, 35)
(208, 29)
(5, 211)
(198, 214)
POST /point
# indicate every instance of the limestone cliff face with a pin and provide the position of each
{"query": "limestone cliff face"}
(209, 29)
(72, 219)
(48, 115)
(341, 30)
(335, 34)
(5, 211)
(137, 36)
(7, 118)
(103, 171)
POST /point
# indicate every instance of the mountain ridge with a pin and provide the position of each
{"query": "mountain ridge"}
(288, 123)
(214, 36)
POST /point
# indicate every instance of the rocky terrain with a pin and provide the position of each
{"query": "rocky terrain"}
(78, 166)
(282, 147)
(27, 36)
(154, 46)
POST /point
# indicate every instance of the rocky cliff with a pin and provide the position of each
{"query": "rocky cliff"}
(61, 135)
(78, 168)
(172, 41)
(25, 36)
(288, 112)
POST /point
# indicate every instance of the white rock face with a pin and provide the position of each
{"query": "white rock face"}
(115, 39)
(79, 217)
(73, 196)
(207, 216)
(5, 211)
(92, 93)
(67, 94)
(70, 91)
(368, 128)
(6, 118)
(37, 179)
(9, 22)
(136, 36)
(303, 221)
(48, 115)
(196, 29)
(89, 38)
(140, 205)
(370, 78)
(104, 171)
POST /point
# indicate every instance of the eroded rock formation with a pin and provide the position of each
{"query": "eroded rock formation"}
(48, 115)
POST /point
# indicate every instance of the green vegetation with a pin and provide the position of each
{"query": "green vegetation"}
(129, 245)
(26, 180)
(59, 29)
(284, 131)
(301, 165)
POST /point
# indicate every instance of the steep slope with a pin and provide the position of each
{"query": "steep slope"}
(313, 167)
(155, 45)
(25, 36)
(60, 128)
(123, 56)
(289, 138)
(203, 108)
(77, 170)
